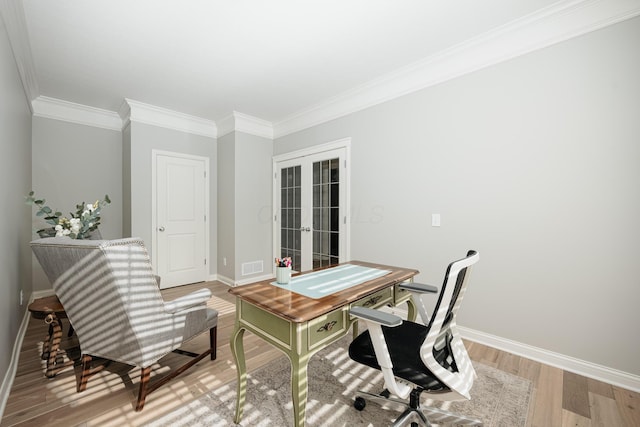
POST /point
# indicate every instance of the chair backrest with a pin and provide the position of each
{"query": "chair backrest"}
(110, 296)
(443, 330)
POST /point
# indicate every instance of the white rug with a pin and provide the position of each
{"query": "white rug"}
(499, 399)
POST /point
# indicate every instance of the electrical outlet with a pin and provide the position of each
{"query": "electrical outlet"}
(21, 297)
(224, 261)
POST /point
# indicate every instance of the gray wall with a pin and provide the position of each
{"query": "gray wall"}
(244, 204)
(15, 175)
(143, 139)
(126, 181)
(74, 163)
(535, 163)
(253, 202)
(226, 207)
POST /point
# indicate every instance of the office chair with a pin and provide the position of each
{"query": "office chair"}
(416, 358)
(112, 299)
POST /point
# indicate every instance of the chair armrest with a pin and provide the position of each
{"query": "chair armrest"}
(187, 301)
(377, 316)
(375, 319)
(419, 287)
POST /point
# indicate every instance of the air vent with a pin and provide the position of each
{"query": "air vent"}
(252, 267)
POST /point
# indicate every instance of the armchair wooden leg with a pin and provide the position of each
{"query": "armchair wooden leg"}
(213, 341)
(146, 388)
(86, 372)
(144, 381)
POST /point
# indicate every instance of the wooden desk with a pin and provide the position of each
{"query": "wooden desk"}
(300, 326)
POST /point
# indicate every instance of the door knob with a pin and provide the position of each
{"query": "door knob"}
(161, 229)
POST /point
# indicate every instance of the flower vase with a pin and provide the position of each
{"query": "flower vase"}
(283, 275)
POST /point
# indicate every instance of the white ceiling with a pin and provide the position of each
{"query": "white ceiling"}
(271, 59)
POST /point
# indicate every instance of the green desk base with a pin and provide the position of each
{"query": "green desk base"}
(298, 341)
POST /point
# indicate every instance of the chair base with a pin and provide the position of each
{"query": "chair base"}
(413, 412)
(145, 387)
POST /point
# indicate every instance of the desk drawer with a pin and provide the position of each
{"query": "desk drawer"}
(324, 328)
(271, 326)
(382, 297)
(400, 295)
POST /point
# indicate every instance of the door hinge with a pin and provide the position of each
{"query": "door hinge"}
(275, 218)
(205, 174)
(205, 261)
(345, 220)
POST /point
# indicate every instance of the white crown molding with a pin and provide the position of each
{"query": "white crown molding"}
(568, 363)
(253, 125)
(245, 123)
(548, 26)
(58, 109)
(13, 16)
(135, 111)
(226, 125)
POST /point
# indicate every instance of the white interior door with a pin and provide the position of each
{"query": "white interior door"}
(311, 200)
(180, 255)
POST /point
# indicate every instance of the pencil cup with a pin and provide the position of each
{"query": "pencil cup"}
(283, 275)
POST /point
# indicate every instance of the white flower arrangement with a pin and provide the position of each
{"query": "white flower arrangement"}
(79, 225)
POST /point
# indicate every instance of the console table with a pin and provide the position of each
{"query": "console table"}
(50, 310)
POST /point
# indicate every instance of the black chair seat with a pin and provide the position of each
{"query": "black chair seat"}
(404, 344)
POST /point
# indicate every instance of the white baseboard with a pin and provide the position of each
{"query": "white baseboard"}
(41, 294)
(224, 279)
(254, 279)
(568, 363)
(10, 375)
(230, 282)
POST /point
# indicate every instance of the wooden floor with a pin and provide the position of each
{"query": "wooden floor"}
(560, 398)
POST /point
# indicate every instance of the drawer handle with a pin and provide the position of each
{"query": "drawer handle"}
(372, 301)
(327, 326)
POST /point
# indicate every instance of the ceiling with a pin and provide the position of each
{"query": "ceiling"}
(272, 60)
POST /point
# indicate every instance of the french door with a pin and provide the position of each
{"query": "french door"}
(311, 196)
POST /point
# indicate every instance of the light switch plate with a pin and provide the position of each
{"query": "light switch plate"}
(435, 220)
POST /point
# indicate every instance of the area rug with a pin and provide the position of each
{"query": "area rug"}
(498, 398)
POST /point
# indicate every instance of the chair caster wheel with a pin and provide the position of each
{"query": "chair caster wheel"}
(359, 403)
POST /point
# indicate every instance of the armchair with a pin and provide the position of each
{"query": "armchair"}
(416, 358)
(112, 299)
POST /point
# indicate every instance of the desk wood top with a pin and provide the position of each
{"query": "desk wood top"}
(299, 308)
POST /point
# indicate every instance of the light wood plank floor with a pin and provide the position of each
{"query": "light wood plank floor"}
(560, 398)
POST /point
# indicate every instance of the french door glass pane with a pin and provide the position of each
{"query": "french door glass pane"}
(326, 192)
(290, 202)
